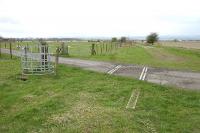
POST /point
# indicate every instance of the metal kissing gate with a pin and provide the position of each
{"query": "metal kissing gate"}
(36, 62)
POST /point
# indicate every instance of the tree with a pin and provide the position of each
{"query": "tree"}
(175, 40)
(152, 38)
(114, 39)
(42, 42)
(123, 39)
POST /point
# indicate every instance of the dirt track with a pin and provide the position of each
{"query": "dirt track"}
(181, 79)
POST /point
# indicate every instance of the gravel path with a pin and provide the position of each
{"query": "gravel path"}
(181, 79)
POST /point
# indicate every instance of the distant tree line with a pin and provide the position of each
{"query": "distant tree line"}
(151, 39)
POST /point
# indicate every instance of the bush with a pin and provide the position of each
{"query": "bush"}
(114, 39)
(152, 38)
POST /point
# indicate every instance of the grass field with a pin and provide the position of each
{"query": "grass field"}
(82, 101)
(165, 57)
(154, 56)
(182, 44)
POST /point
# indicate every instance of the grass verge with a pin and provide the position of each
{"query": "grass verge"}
(76, 100)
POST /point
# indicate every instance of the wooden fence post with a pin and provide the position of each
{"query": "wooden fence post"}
(101, 48)
(63, 48)
(106, 47)
(38, 47)
(111, 47)
(56, 60)
(97, 49)
(67, 50)
(93, 52)
(0, 49)
(10, 50)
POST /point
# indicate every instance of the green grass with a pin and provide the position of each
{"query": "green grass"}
(164, 57)
(83, 101)
(154, 56)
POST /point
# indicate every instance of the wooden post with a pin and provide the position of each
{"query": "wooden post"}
(111, 47)
(0, 49)
(27, 46)
(10, 50)
(26, 57)
(38, 47)
(63, 48)
(56, 60)
(120, 45)
(101, 48)
(93, 52)
(97, 49)
(106, 47)
(67, 50)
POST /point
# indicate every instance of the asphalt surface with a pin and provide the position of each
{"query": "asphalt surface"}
(180, 79)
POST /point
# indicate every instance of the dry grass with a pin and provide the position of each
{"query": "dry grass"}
(161, 54)
(184, 44)
(86, 113)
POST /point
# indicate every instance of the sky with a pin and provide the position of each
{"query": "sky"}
(98, 18)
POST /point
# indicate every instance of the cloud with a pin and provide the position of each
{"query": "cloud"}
(7, 20)
(48, 18)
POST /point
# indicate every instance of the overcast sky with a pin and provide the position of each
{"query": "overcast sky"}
(102, 18)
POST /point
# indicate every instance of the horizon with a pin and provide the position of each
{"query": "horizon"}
(95, 18)
(161, 38)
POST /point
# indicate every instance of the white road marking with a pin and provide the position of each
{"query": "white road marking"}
(135, 93)
(143, 74)
(114, 69)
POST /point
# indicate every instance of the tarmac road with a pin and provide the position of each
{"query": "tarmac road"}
(180, 79)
